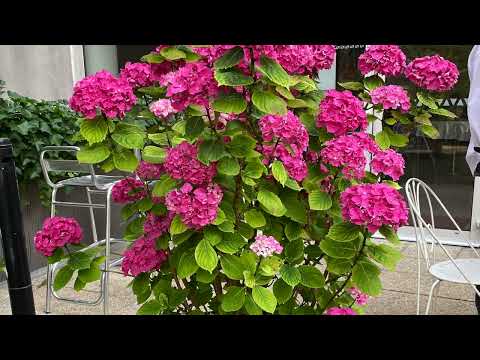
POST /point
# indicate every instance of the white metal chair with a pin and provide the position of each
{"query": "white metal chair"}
(461, 271)
(93, 184)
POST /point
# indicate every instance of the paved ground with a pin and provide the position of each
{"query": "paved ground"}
(397, 298)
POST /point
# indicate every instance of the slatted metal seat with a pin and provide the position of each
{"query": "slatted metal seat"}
(93, 184)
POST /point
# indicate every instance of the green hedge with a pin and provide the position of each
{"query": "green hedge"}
(30, 125)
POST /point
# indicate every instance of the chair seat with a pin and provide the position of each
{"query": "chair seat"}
(103, 181)
(447, 271)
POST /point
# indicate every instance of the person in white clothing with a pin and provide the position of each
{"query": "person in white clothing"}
(473, 109)
(473, 112)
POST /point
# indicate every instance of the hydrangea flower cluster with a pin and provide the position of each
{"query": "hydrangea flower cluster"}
(348, 152)
(289, 129)
(128, 190)
(433, 73)
(57, 232)
(388, 162)
(266, 246)
(386, 60)
(340, 311)
(193, 83)
(292, 133)
(142, 257)
(137, 74)
(148, 171)
(162, 108)
(360, 298)
(374, 205)
(212, 52)
(112, 96)
(341, 112)
(294, 163)
(196, 207)
(182, 163)
(391, 97)
(304, 59)
(155, 226)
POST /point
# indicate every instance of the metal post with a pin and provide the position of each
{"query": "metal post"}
(13, 236)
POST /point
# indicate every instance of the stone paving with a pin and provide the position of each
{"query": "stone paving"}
(398, 296)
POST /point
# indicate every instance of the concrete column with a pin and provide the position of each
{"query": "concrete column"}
(100, 57)
(45, 72)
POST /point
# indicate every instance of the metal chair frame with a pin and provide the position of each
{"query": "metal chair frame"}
(414, 187)
(94, 186)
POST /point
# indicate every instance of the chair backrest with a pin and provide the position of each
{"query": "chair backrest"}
(425, 231)
(60, 165)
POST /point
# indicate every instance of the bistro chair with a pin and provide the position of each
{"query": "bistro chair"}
(93, 184)
(461, 271)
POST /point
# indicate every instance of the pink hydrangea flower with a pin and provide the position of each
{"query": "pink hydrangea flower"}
(57, 232)
(182, 163)
(293, 162)
(197, 208)
(388, 162)
(391, 97)
(147, 171)
(360, 298)
(142, 257)
(304, 59)
(348, 152)
(266, 246)
(137, 74)
(386, 60)
(212, 52)
(289, 129)
(128, 190)
(102, 91)
(340, 311)
(341, 112)
(193, 83)
(155, 226)
(433, 73)
(374, 205)
(162, 108)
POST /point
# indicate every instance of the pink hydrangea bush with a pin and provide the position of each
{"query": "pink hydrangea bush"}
(248, 190)
(57, 232)
(341, 112)
(103, 92)
(433, 73)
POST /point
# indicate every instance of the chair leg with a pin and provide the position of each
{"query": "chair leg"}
(419, 269)
(435, 298)
(430, 295)
(92, 216)
(106, 283)
(48, 297)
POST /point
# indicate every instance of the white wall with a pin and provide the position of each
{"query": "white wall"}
(42, 71)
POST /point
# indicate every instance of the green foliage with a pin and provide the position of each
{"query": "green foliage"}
(31, 125)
